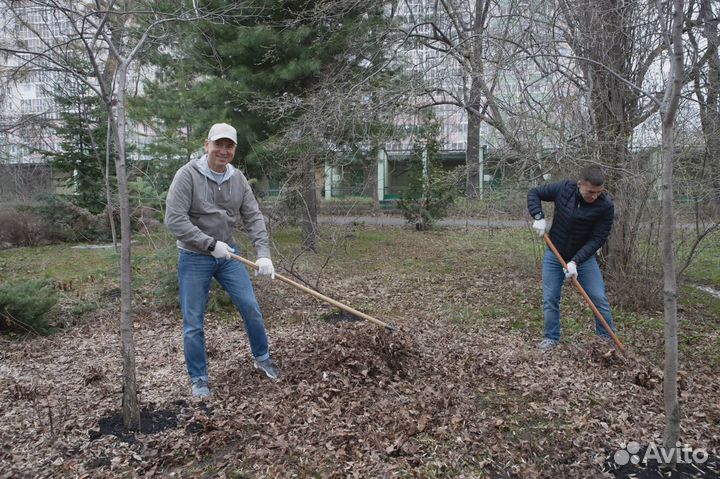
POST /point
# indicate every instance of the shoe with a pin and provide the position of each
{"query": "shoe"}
(547, 344)
(268, 367)
(200, 388)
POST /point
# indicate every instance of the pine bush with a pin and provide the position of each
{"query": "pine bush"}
(24, 306)
(431, 190)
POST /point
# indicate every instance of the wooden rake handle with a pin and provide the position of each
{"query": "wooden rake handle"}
(597, 313)
(312, 292)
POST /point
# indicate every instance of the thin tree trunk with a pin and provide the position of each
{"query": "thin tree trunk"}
(672, 407)
(107, 76)
(309, 197)
(108, 192)
(472, 142)
(668, 111)
(371, 178)
(130, 407)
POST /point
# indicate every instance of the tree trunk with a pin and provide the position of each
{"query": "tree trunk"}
(309, 204)
(472, 149)
(603, 33)
(108, 192)
(668, 111)
(474, 101)
(612, 135)
(371, 178)
(130, 407)
(672, 407)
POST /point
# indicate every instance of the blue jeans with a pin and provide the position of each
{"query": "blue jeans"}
(195, 272)
(590, 279)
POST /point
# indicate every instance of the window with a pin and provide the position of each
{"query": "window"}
(35, 105)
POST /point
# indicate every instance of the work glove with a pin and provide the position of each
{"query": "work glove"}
(222, 250)
(571, 271)
(539, 226)
(265, 268)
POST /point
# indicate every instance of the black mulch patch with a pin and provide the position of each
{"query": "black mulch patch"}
(102, 461)
(708, 469)
(112, 293)
(340, 317)
(195, 427)
(151, 422)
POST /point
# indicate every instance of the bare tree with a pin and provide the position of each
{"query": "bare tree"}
(668, 112)
(616, 49)
(21, 181)
(341, 120)
(448, 38)
(482, 57)
(97, 43)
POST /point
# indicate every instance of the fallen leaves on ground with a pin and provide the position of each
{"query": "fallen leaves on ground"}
(437, 398)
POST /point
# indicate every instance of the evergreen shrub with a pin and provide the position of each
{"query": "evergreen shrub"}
(24, 306)
(431, 190)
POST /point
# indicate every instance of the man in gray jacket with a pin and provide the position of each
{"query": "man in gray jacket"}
(207, 199)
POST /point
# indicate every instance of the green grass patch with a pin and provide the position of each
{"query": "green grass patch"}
(463, 315)
(348, 199)
(573, 326)
(637, 321)
(528, 318)
(693, 298)
(57, 262)
(283, 237)
(709, 349)
(705, 268)
(80, 309)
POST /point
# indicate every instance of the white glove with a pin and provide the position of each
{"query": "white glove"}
(222, 250)
(539, 226)
(571, 270)
(265, 268)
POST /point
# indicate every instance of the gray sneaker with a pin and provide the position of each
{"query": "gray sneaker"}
(547, 344)
(200, 387)
(269, 368)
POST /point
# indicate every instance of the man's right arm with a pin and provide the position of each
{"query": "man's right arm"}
(537, 195)
(177, 208)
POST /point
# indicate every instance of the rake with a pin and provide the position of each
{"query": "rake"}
(312, 292)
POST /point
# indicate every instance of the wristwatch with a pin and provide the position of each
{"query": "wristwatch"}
(538, 216)
(211, 248)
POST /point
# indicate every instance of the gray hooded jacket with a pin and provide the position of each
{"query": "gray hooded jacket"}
(198, 209)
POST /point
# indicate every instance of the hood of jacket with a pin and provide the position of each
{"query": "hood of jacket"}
(201, 164)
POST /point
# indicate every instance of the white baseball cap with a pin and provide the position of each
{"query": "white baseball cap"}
(222, 130)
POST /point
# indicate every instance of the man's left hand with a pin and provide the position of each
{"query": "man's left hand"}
(265, 268)
(571, 271)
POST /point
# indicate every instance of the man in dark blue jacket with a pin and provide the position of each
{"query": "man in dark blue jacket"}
(583, 219)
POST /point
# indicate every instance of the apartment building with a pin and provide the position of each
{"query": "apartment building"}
(29, 82)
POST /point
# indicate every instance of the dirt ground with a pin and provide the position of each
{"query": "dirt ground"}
(458, 391)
